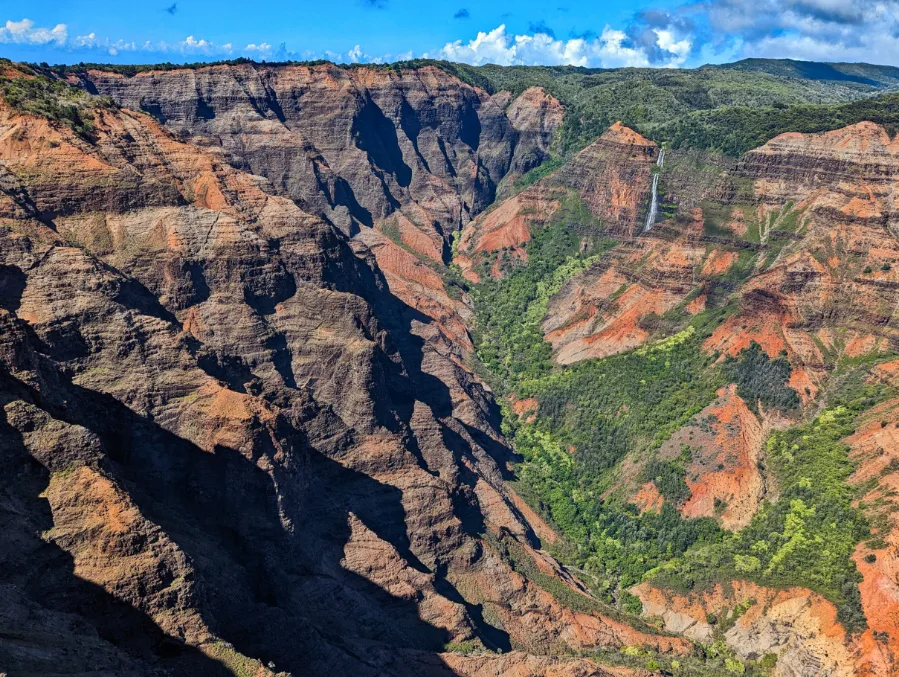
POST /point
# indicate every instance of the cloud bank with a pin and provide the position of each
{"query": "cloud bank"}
(608, 50)
(25, 32)
(704, 31)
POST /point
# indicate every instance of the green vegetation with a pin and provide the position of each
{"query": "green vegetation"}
(808, 536)
(860, 73)
(710, 660)
(469, 648)
(670, 476)
(761, 379)
(630, 402)
(130, 70)
(649, 99)
(591, 415)
(238, 664)
(508, 338)
(35, 94)
(541, 171)
(736, 129)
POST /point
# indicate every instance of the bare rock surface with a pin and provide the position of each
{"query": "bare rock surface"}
(237, 450)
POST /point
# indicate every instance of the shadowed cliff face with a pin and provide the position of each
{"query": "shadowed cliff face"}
(238, 447)
(234, 392)
(352, 145)
(414, 154)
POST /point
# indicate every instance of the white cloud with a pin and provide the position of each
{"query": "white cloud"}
(25, 32)
(190, 42)
(822, 30)
(611, 49)
(693, 32)
(89, 40)
(667, 42)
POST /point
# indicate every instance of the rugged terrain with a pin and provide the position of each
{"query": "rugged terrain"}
(249, 317)
(232, 442)
(790, 252)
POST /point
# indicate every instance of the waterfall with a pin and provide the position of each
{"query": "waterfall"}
(654, 204)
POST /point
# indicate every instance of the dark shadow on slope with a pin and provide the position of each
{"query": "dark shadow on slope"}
(376, 135)
(12, 285)
(470, 125)
(344, 196)
(466, 503)
(504, 456)
(276, 594)
(411, 126)
(40, 576)
(493, 638)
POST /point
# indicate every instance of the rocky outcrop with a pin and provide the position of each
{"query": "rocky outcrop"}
(796, 625)
(611, 176)
(353, 145)
(235, 446)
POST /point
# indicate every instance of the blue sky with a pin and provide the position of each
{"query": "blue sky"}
(598, 33)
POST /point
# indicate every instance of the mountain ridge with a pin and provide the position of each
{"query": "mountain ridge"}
(210, 374)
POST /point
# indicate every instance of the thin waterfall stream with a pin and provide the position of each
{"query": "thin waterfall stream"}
(654, 204)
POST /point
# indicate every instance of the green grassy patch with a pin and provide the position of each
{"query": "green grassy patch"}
(53, 100)
(807, 537)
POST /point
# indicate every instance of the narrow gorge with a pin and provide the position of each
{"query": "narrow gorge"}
(395, 370)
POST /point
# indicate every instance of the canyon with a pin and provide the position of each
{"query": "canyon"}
(245, 422)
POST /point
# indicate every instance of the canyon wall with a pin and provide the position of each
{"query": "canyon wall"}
(235, 450)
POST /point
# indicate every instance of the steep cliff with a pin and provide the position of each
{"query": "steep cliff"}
(234, 447)
(241, 405)
(353, 145)
(790, 254)
(611, 178)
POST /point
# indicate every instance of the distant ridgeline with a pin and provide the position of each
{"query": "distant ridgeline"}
(729, 108)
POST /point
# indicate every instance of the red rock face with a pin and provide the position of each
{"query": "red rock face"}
(234, 390)
(837, 270)
(874, 448)
(726, 440)
(612, 176)
(824, 259)
(603, 310)
(237, 444)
